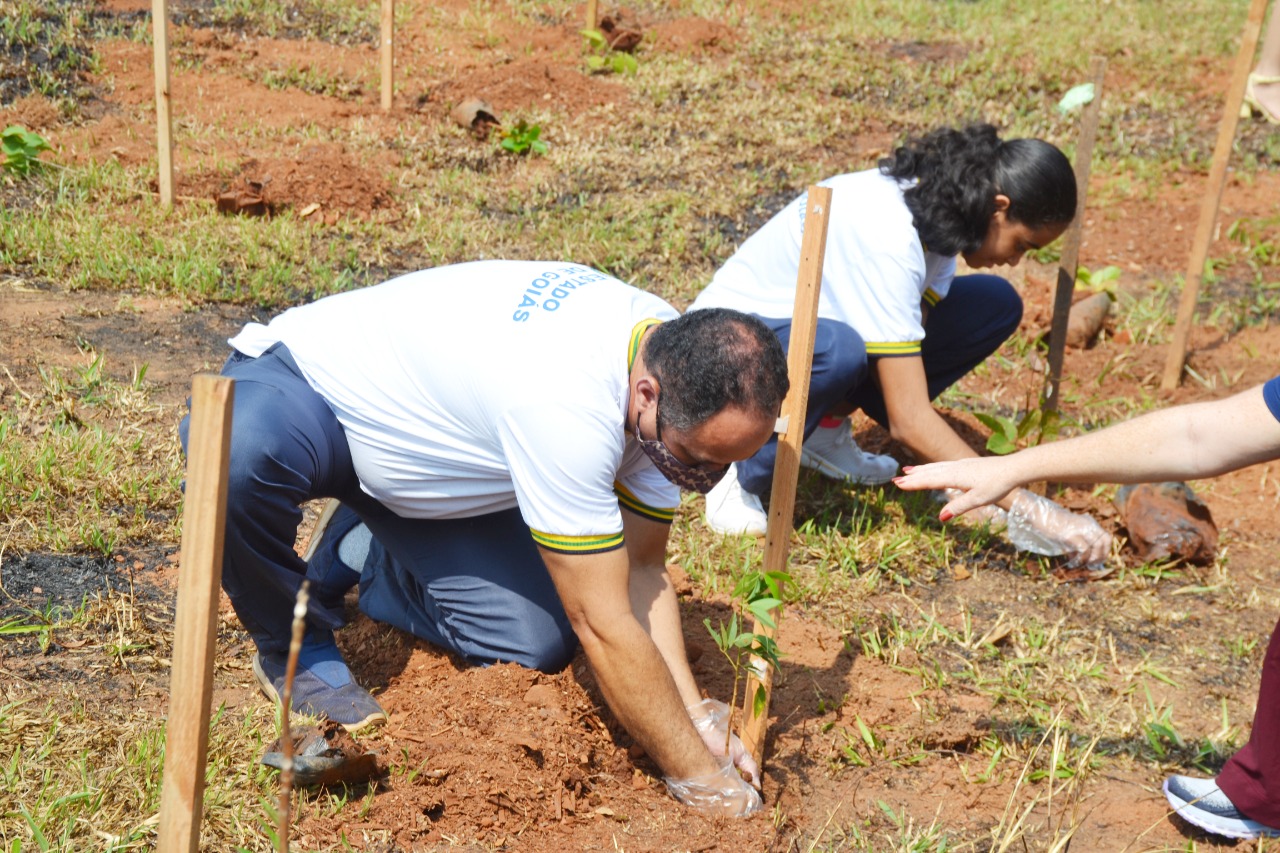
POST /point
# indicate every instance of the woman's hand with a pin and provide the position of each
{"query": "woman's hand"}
(978, 481)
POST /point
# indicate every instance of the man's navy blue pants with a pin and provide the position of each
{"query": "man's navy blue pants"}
(475, 586)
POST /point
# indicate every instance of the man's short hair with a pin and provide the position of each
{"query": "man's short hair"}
(712, 359)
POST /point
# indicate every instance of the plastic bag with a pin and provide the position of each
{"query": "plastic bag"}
(711, 718)
(1039, 525)
(722, 793)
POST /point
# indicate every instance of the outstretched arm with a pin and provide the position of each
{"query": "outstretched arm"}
(1179, 443)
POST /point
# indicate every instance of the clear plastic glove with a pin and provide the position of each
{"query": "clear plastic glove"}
(1039, 525)
(990, 514)
(722, 793)
(711, 718)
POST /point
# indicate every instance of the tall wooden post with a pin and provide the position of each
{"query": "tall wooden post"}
(164, 120)
(1069, 263)
(1212, 197)
(786, 466)
(204, 518)
(388, 52)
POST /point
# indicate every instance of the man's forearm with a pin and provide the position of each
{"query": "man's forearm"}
(633, 673)
(641, 692)
(653, 601)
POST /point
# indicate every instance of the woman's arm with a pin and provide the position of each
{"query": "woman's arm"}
(1179, 443)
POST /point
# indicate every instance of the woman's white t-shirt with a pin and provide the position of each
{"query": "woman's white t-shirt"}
(875, 273)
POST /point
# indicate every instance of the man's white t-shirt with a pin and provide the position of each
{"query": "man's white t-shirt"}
(475, 388)
(875, 272)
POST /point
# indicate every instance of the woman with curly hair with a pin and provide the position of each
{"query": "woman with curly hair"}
(896, 325)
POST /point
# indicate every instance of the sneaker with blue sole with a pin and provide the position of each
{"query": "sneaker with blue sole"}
(322, 685)
(1202, 803)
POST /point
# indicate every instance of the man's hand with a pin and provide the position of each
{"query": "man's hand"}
(721, 793)
(711, 718)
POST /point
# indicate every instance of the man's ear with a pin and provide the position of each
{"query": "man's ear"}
(646, 392)
(1003, 203)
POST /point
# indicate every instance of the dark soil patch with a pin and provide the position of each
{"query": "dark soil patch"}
(52, 583)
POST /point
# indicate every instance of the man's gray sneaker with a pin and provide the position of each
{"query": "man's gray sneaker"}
(322, 686)
(1201, 802)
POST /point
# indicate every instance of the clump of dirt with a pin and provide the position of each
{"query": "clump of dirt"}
(621, 34)
(323, 755)
(323, 180)
(502, 755)
(33, 112)
(1167, 521)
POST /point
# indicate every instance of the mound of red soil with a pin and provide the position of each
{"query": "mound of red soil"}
(323, 180)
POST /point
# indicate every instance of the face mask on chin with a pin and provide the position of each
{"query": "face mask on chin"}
(682, 475)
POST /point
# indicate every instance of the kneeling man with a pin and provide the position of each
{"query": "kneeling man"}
(508, 440)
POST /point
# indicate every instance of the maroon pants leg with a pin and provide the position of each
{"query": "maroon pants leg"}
(1252, 777)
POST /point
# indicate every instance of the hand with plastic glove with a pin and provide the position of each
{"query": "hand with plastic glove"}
(722, 793)
(711, 718)
(989, 514)
(1039, 525)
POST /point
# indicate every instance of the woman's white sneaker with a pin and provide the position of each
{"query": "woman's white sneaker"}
(732, 510)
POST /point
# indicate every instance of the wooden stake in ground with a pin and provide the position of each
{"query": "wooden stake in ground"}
(593, 14)
(204, 517)
(1177, 356)
(285, 802)
(1069, 263)
(786, 466)
(388, 52)
(164, 121)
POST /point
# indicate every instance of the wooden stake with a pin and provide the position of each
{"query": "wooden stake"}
(204, 518)
(164, 121)
(593, 14)
(388, 52)
(1212, 197)
(1069, 263)
(285, 801)
(786, 466)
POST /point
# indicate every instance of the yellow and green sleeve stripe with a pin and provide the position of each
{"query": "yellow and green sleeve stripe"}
(628, 501)
(596, 543)
(893, 348)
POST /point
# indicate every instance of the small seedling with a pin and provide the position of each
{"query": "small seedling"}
(605, 59)
(521, 138)
(21, 149)
(1009, 433)
(1098, 280)
(759, 593)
